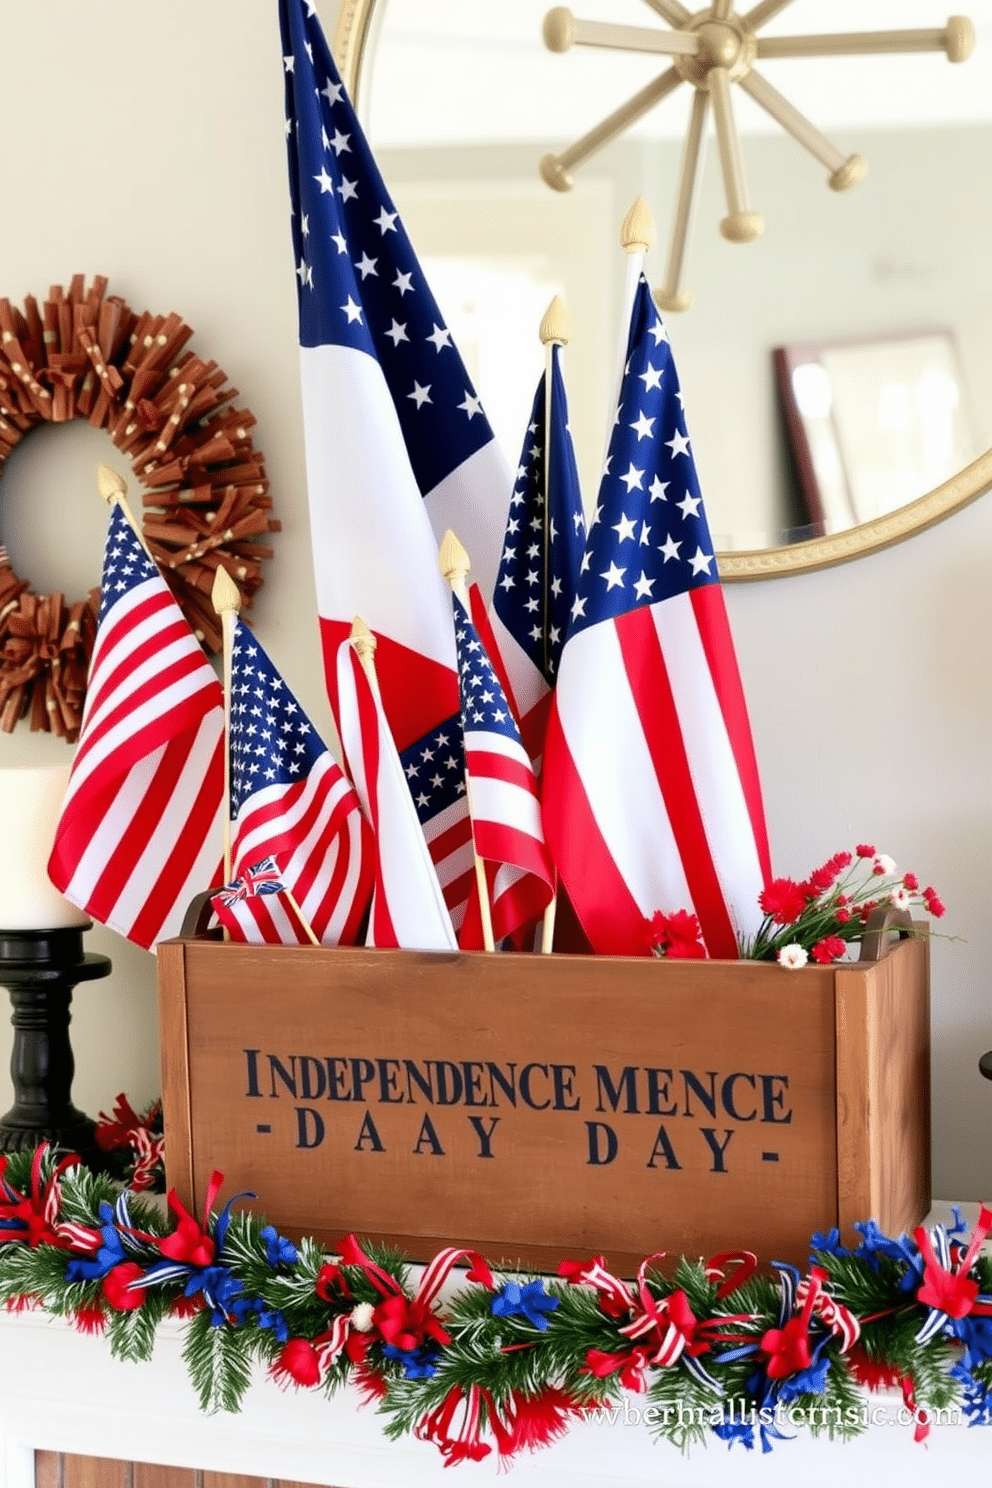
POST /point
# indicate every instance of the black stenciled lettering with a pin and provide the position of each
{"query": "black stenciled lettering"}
(659, 1081)
(603, 1144)
(422, 1080)
(472, 1073)
(447, 1082)
(717, 1148)
(626, 1085)
(663, 1149)
(506, 1083)
(309, 1127)
(362, 1074)
(525, 1090)
(337, 1079)
(770, 1098)
(727, 1096)
(313, 1077)
(692, 1082)
(287, 1076)
(251, 1060)
(389, 1092)
(562, 1076)
(430, 1136)
(485, 1137)
(367, 1133)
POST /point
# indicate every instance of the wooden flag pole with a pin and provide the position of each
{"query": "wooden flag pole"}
(363, 643)
(455, 566)
(637, 235)
(555, 331)
(113, 488)
(226, 602)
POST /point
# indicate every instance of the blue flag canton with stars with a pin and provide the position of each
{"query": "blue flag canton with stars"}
(434, 767)
(537, 580)
(273, 741)
(484, 704)
(358, 280)
(649, 538)
(125, 562)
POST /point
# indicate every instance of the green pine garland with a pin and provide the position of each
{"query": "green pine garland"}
(510, 1361)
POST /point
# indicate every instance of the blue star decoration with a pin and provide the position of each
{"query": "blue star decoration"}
(648, 536)
(530, 1301)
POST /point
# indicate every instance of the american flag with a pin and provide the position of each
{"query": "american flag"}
(140, 829)
(539, 567)
(256, 909)
(505, 811)
(434, 766)
(397, 446)
(408, 908)
(291, 800)
(651, 792)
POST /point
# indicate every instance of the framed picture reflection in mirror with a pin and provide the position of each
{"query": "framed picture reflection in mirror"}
(872, 424)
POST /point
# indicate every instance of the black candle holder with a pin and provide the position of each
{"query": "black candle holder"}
(39, 968)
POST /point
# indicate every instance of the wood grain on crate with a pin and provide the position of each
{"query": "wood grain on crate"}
(64, 1470)
(844, 1049)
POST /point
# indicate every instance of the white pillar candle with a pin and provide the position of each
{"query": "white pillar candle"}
(30, 803)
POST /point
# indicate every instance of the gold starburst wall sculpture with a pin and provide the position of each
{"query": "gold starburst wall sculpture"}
(711, 49)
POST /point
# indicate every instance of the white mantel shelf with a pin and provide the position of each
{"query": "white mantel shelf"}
(62, 1391)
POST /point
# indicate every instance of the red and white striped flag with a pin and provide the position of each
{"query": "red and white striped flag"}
(398, 447)
(651, 793)
(505, 811)
(408, 908)
(140, 829)
(291, 800)
(256, 909)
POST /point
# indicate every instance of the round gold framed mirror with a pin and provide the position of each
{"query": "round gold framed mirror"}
(462, 101)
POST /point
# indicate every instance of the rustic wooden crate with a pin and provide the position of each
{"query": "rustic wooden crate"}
(547, 1107)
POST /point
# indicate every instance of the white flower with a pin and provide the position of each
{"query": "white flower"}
(900, 897)
(361, 1317)
(882, 863)
(792, 957)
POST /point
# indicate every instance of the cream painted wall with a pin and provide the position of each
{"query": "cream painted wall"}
(149, 147)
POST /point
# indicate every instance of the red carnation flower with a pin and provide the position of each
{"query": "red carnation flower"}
(865, 850)
(828, 949)
(910, 881)
(298, 1362)
(117, 1287)
(685, 950)
(678, 935)
(784, 900)
(933, 902)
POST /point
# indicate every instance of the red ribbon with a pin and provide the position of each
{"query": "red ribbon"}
(34, 1214)
(838, 1318)
(665, 1327)
(436, 1426)
(952, 1291)
(403, 1321)
(787, 1349)
(189, 1243)
(922, 1428)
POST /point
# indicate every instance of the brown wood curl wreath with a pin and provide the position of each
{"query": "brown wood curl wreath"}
(86, 354)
